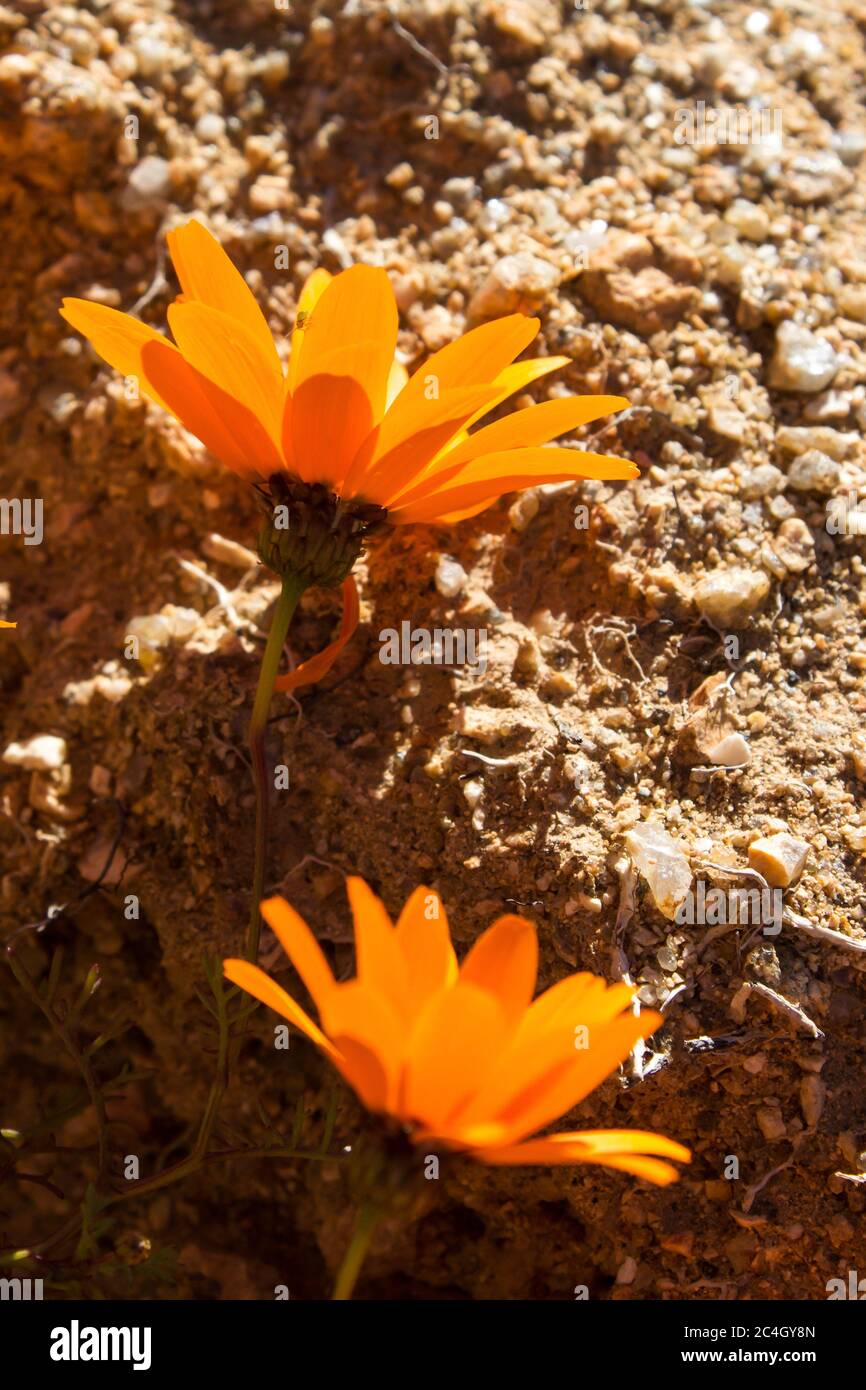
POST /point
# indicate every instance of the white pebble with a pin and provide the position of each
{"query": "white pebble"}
(450, 577)
(43, 753)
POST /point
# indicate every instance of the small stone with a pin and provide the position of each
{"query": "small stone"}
(813, 1093)
(749, 219)
(839, 444)
(149, 183)
(210, 127)
(857, 754)
(42, 753)
(814, 472)
(154, 56)
(760, 482)
(816, 178)
(401, 176)
(770, 1123)
(794, 546)
(802, 361)
(450, 577)
(851, 301)
(757, 23)
(728, 598)
(518, 20)
(434, 325)
(270, 193)
(661, 860)
(516, 284)
(850, 145)
(725, 419)
(525, 509)
(460, 192)
(828, 405)
(732, 751)
(780, 858)
(473, 790)
(486, 725)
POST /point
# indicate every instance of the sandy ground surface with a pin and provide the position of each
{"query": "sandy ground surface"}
(492, 155)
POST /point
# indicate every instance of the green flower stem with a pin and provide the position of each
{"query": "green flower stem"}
(283, 614)
(365, 1225)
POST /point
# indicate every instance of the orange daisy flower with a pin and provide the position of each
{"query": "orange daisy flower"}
(345, 415)
(344, 439)
(463, 1057)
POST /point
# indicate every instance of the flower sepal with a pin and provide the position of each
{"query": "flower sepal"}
(386, 1171)
(310, 533)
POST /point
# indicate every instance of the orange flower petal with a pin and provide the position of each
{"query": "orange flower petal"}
(261, 986)
(455, 1043)
(227, 428)
(207, 276)
(633, 1151)
(356, 309)
(554, 1091)
(301, 947)
(225, 351)
(434, 424)
(359, 1012)
(364, 1073)
(331, 416)
(397, 378)
(504, 961)
(423, 937)
(475, 359)
(523, 428)
(380, 963)
(314, 287)
(543, 1047)
(490, 477)
(520, 374)
(509, 380)
(319, 665)
(118, 339)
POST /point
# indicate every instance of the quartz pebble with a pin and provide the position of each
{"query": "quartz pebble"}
(728, 598)
(149, 183)
(732, 751)
(522, 512)
(802, 361)
(780, 858)
(42, 753)
(450, 577)
(814, 472)
(761, 481)
(794, 546)
(515, 284)
(210, 126)
(661, 860)
(797, 439)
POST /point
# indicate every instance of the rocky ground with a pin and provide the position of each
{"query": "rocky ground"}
(492, 155)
